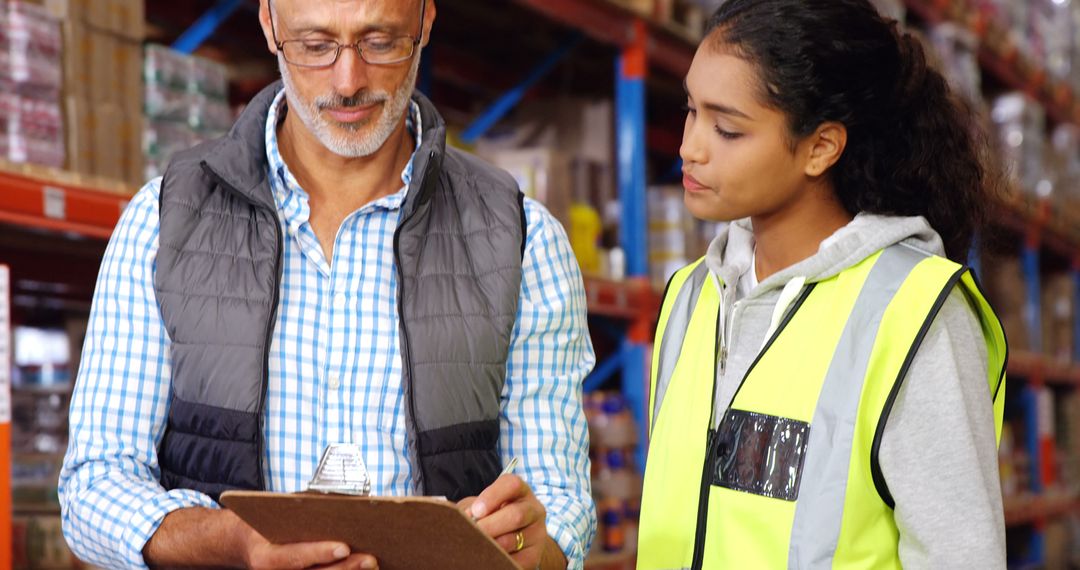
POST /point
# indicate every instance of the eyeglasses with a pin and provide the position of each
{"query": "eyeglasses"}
(324, 53)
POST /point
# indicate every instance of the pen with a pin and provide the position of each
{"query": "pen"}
(506, 471)
(509, 467)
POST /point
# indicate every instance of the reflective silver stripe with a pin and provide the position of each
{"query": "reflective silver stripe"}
(820, 507)
(675, 332)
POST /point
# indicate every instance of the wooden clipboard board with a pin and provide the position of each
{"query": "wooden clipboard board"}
(406, 533)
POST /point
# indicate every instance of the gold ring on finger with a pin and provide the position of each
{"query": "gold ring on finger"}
(519, 541)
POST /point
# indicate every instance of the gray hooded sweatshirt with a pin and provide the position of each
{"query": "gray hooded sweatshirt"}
(938, 452)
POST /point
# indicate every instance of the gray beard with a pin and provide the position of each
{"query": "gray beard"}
(353, 144)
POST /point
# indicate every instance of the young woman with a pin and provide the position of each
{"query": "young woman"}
(828, 381)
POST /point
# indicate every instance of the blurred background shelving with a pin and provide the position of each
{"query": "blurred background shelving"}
(581, 101)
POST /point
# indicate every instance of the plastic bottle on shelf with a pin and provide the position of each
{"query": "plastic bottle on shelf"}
(613, 426)
(615, 479)
(611, 515)
(631, 515)
(598, 457)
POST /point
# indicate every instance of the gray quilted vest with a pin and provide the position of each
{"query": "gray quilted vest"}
(457, 250)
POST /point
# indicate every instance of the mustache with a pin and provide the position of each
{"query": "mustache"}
(363, 98)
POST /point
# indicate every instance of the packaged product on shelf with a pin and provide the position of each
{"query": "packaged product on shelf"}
(543, 174)
(611, 513)
(1056, 545)
(1010, 485)
(1021, 131)
(1050, 35)
(32, 130)
(671, 233)
(1069, 440)
(1013, 16)
(1064, 165)
(958, 51)
(632, 514)
(646, 8)
(30, 43)
(165, 79)
(38, 542)
(31, 118)
(163, 138)
(584, 231)
(1058, 313)
(1074, 19)
(690, 18)
(613, 426)
(1003, 277)
(615, 476)
(185, 103)
(894, 9)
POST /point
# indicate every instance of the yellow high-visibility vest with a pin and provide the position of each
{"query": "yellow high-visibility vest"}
(788, 476)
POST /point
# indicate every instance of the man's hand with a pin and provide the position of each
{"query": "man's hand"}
(259, 553)
(508, 512)
(207, 537)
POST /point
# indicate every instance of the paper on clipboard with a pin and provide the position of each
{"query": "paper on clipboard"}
(403, 533)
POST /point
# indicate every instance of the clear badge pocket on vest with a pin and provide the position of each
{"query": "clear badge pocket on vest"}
(760, 454)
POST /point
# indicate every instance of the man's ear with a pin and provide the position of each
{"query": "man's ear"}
(264, 22)
(429, 21)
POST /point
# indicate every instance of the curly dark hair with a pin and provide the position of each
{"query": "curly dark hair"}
(914, 149)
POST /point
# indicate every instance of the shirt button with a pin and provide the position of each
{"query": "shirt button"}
(339, 301)
(335, 382)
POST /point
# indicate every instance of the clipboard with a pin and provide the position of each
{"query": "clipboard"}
(403, 533)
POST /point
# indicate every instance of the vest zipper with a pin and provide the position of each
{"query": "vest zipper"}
(261, 446)
(406, 358)
(710, 435)
(706, 486)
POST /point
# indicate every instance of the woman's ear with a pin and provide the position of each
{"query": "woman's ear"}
(825, 147)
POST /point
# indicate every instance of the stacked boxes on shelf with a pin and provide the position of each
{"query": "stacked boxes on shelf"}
(44, 371)
(186, 102)
(1064, 167)
(103, 86)
(38, 542)
(31, 124)
(676, 238)
(1046, 32)
(1021, 133)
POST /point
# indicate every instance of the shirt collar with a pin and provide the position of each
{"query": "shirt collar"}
(292, 199)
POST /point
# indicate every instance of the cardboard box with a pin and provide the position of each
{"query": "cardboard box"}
(99, 14)
(543, 174)
(133, 159)
(38, 542)
(77, 53)
(1057, 317)
(1004, 281)
(108, 153)
(104, 85)
(130, 19)
(129, 85)
(646, 8)
(79, 130)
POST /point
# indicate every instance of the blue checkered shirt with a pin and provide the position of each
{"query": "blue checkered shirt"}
(335, 373)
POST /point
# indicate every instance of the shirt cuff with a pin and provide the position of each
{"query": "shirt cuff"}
(147, 519)
(569, 537)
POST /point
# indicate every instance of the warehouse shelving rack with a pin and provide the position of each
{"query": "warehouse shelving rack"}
(41, 200)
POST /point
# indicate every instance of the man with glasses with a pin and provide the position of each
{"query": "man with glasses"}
(329, 272)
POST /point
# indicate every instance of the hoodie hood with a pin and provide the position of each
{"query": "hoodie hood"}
(731, 253)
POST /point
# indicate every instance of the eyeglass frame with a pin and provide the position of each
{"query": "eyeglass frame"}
(280, 45)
